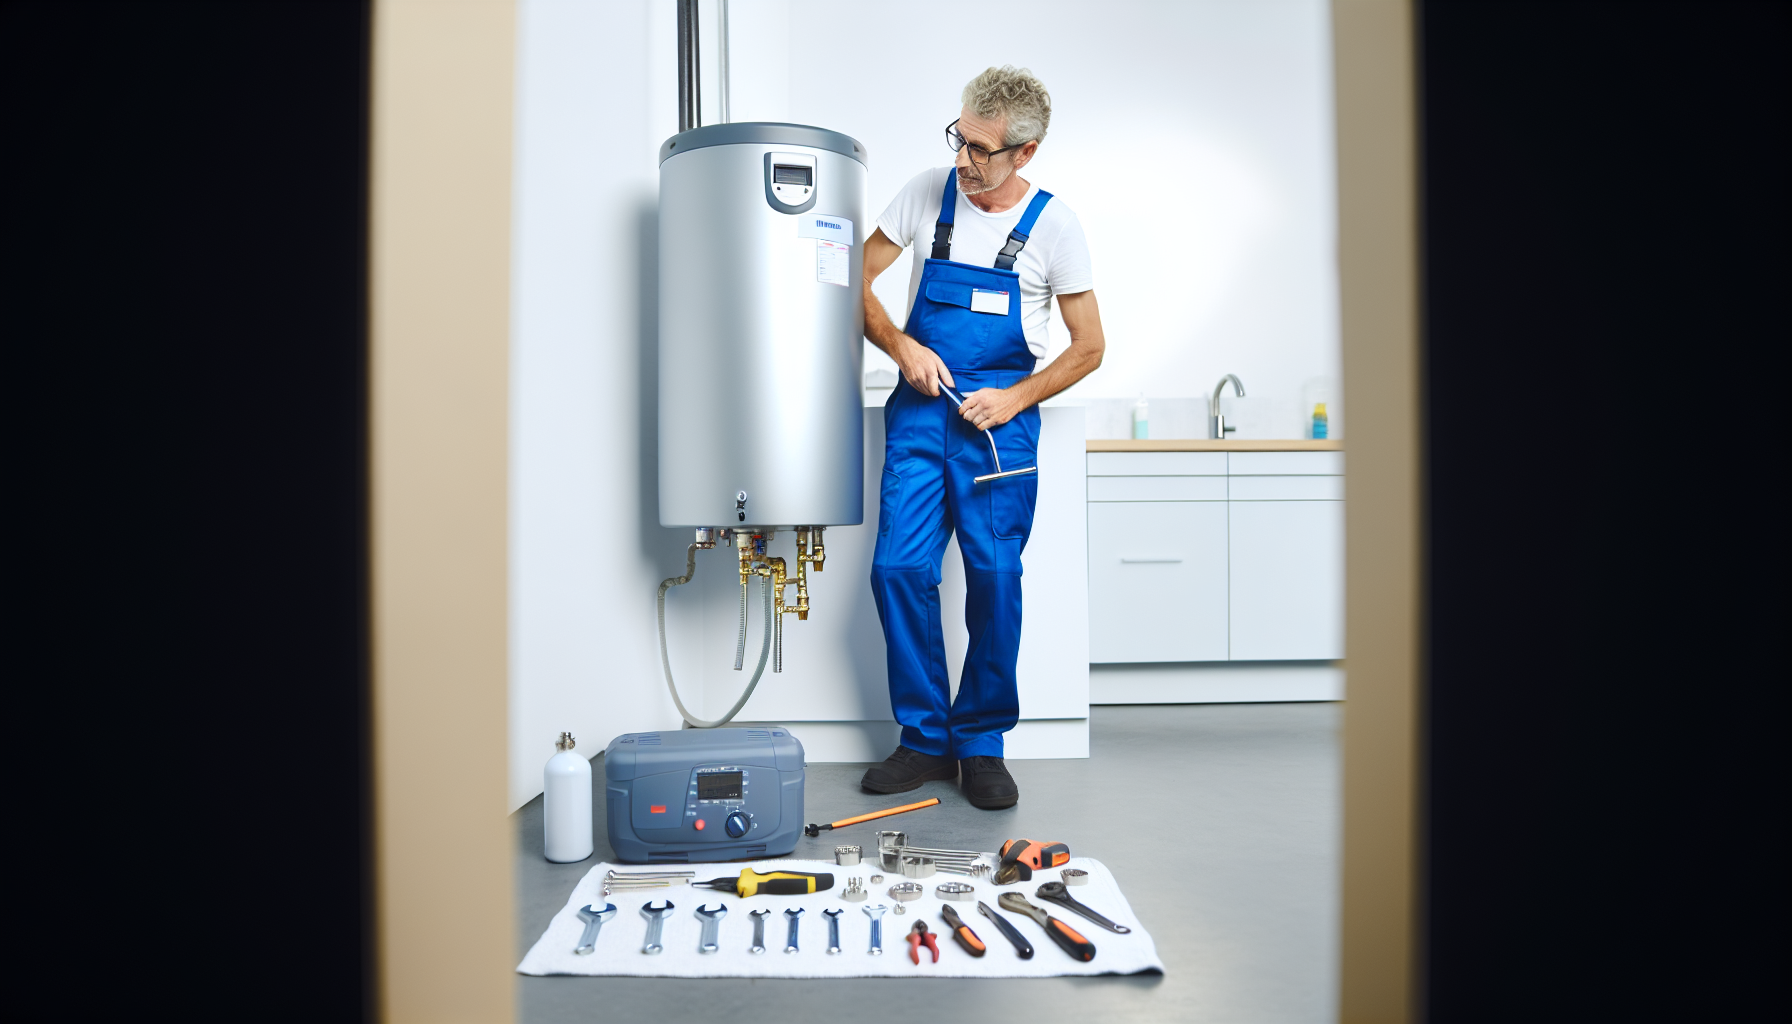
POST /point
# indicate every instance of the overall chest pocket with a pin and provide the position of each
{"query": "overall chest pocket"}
(944, 321)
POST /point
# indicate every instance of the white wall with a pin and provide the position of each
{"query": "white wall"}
(1194, 139)
(586, 552)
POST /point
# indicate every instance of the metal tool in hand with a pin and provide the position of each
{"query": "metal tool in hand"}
(919, 936)
(758, 917)
(1068, 939)
(962, 932)
(656, 921)
(1054, 892)
(594, 923)
(712, 923)
(958, 400)
(833, 917)
(795, 916)
(876, 914)
(1021, 945)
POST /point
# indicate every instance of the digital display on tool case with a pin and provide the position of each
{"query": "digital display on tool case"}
(784, 174)
(719, 786)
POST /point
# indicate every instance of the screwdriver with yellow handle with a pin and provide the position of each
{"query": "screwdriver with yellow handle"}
(775, 883)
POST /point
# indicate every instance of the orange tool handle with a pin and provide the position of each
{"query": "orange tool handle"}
(884, 814)
(1070, 940)
(969, 940)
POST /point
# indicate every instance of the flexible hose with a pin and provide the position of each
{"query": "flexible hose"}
(765, 648)
(740, 643)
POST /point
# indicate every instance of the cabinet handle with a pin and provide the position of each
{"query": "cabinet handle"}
(1147, 561)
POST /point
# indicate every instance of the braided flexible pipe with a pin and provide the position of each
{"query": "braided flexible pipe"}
(765, 648)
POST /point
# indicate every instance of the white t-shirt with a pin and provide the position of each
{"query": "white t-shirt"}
(1055, 261)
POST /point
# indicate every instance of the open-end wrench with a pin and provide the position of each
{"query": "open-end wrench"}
(833, 917)
(1068, 939)
(795, 916)
(656, 920)
(758, 917)
(594, 923)
(712, 922)
(1056, 892)
(876, 914)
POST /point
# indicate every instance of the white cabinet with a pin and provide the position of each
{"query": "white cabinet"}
(1286, 580)
(1216, 556)
(1157, 580)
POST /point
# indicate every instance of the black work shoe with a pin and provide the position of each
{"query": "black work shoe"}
(905, 770)
(987, 783)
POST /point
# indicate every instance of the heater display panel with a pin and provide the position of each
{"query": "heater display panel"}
(719, 786)
(784, 174)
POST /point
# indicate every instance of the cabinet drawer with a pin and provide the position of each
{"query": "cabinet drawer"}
(1157, 488)
(1157, 581)
(1285, 463)
(1157, 463)
(1285, 488)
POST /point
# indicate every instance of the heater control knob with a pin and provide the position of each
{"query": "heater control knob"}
(736, 824)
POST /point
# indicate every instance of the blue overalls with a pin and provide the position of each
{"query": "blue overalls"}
(931, 455)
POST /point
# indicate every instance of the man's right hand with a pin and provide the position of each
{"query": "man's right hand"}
(922, 367)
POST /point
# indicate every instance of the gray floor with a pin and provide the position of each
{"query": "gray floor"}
(1219, 820)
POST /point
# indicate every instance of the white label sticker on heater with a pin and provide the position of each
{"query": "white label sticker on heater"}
(985, 301)
(833, 262)
(824, 226)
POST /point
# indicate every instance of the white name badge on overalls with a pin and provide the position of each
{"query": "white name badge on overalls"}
(985, 301)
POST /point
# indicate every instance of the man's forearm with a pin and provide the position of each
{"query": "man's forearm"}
(1072, 365)
(879, 329)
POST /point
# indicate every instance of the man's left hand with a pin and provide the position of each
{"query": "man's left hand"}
(991, 407)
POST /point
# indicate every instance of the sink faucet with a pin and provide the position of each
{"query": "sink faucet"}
(1216, 423)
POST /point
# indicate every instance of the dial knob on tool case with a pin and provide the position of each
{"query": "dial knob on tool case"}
(736, 824)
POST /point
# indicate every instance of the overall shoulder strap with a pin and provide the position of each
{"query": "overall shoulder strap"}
(1017, 239)
(942, 228)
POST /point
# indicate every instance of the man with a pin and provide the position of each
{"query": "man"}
(990, 252)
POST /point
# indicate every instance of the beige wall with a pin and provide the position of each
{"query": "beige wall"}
(440, 309)
(1377, 257)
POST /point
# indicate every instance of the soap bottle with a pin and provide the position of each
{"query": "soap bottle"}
(566, 805)
(1141, 418)
(1321, 426)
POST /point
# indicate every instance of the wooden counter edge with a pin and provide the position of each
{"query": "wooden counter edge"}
(1203, 445)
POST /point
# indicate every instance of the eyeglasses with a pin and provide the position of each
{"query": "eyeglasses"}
(979, 155)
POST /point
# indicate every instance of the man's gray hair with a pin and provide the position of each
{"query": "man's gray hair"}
(1016, 97)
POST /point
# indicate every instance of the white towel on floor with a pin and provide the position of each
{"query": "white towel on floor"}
(619, 944)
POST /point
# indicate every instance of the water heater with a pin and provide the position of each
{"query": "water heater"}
(761, 237)
(761, 349)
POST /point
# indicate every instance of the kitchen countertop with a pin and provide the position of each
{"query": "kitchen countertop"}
(1204, 445)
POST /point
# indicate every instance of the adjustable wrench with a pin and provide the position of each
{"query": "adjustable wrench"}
(795, 916)
(876, 914)
(833, 917)
(1055, 892)
(758, 917)
(712, 922)
(594, 923)
(1068, 939)
(656, 920)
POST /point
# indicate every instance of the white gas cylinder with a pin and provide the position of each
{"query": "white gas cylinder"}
(566, 804)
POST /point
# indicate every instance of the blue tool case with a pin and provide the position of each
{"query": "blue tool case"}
(703, 794)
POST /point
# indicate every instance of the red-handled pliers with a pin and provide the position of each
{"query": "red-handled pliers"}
(919, 936)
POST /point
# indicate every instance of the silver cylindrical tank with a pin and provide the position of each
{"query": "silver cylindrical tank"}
(761, 351)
